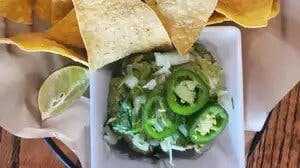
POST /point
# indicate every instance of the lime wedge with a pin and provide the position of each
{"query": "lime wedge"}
(61, 89)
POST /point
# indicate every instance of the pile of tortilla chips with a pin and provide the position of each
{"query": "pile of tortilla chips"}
(96, 33)
(251, 14)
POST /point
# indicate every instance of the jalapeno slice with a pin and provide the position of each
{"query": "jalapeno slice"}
(207, 124)
(156, 122)
(186, 92)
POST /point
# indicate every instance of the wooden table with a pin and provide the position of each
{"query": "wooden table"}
(279, 145)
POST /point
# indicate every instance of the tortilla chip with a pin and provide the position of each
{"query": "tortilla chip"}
(63, 38)
(275, 8)
(254, 13)
(216, 17)
(183, 19)
(41, 42)
(42, 8)
(60, 8)
(52, 10)
(19, 11)
(66, 31)
(113, 29)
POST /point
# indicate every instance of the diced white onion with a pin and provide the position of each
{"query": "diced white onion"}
(140, 143)
(165, 60)
(131, 81)
(173, 58)
(178, 148)
(150, 85)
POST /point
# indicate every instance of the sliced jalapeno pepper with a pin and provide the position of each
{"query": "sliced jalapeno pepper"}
(156, 122)
(186, 92)
(207, 124)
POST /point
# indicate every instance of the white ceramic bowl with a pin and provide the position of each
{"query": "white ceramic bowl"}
(224, 42)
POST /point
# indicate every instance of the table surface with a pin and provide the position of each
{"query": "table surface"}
(279, 145)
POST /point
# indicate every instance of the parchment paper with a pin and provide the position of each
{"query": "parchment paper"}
(271, 63)
(271, 68)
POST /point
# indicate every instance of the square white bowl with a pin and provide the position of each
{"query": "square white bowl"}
(224, 42)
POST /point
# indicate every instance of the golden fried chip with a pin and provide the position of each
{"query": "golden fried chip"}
(66, 31)
(216, 17)
(254, 13)
(183, 19)
(19, 11)
(52, 10)
(60, 8)
(62, 38)
(113, 29)
(275, 8)
(43, 9)
(37, 42)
